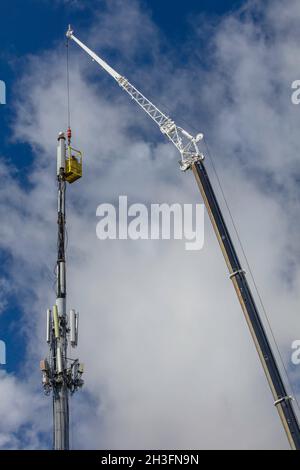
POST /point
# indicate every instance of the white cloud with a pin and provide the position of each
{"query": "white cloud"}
(170, 363)
(19, 408)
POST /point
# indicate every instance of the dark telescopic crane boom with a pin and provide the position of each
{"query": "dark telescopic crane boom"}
(281, 399)
(192, 159)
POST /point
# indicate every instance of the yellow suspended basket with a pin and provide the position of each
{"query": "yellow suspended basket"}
(73, 165)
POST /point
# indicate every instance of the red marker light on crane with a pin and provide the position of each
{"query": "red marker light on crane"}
(69, 135)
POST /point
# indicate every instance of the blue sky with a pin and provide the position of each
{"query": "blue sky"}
(212, 67)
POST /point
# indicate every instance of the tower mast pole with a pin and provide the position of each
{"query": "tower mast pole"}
(61, 374)
(60, 391)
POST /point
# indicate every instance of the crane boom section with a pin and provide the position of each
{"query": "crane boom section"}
(94, 56)
(183, 140)
(282, 400)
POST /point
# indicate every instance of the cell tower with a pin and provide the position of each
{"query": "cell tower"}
(61, 374)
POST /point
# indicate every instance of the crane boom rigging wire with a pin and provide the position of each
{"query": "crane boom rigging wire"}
(259, 296)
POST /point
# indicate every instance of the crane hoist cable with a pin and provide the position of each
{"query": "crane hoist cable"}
(73, 170)
(69, 133)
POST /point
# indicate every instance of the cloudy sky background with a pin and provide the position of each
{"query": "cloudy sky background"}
(169, 359)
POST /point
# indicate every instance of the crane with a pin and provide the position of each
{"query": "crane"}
(193, 159)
